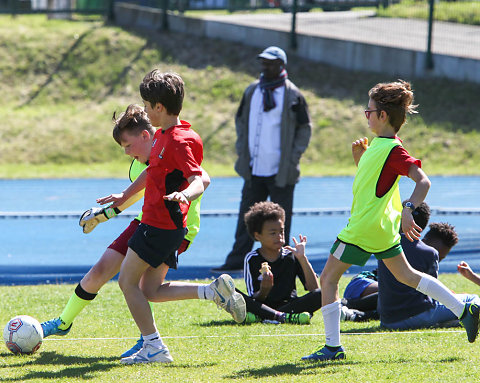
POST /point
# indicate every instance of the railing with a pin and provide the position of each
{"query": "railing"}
(58, 7)
(221, 213)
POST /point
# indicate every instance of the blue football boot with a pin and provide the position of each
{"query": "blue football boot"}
(469, 320)
(324, 354)
(50, 327)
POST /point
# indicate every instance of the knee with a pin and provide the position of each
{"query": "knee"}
(148, 292)
(123, 283)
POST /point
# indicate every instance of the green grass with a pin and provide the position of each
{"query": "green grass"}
(207, 346)
(62, 81)
(463, 12)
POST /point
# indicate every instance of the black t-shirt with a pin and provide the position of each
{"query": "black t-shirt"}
(397, 301)
(285, 270)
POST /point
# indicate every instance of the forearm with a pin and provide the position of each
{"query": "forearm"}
(260, 295)
(422, 185)
(131, 200)
(311, 279)
(473, 277)
(134, 188)
(194, 189)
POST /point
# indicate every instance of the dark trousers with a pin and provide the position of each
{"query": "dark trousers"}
(309, 302)
(257, 190)
(367, 303)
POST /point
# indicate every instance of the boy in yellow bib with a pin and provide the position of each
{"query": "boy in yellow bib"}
(376, 215)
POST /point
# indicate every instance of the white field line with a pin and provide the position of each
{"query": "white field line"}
(261, 335)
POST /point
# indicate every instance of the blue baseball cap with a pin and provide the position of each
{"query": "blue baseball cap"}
(273, 53)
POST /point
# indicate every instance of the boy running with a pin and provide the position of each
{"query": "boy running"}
(376, 212)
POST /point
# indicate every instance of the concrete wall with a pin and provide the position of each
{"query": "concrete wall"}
(340, 53)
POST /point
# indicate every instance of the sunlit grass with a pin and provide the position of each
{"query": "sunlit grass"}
(207, 346)
(63, 80)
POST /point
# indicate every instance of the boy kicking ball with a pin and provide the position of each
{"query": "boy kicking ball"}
(376, 213)
(172, 180)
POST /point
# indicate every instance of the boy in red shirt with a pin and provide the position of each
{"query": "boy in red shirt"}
(171, 181)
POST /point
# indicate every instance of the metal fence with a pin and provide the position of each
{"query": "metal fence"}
(450, 28)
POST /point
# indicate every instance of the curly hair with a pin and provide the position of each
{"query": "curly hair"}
(444, 232)
(261, 212)
(396, 99)
(163, 88)
(421, 215)
(134, 121)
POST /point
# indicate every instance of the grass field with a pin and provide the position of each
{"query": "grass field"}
(207, 346)
(463, 12)
(62, 81)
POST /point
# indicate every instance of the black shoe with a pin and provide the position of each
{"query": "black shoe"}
(227, 269)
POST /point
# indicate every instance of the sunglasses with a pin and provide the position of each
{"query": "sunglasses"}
(368, 112)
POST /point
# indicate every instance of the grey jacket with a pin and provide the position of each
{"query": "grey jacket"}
(296, 130)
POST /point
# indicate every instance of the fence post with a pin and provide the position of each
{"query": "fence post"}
(165, 15)
(429, 62)
(111, 11)
(13, 7)
(293, 33)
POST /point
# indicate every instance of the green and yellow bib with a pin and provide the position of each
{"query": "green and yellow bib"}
(374, 222)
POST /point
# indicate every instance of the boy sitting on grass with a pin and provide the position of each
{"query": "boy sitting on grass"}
(270, 272)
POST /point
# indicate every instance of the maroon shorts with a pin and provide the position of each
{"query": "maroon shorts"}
(121, 243)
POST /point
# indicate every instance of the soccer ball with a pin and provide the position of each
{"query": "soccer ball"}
(23, 335)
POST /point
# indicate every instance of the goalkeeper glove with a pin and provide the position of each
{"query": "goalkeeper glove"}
(92, 217)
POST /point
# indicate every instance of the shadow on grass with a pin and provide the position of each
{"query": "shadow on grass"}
(366, 330)
(310, 367)
(62, 366)
(288, 369)
(214, 323)
(69, 52)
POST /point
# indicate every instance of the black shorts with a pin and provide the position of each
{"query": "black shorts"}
(156, 246)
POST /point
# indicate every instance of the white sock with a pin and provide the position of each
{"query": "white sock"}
(205, 292)
(435, 289)
(153, 339)
(331, 320)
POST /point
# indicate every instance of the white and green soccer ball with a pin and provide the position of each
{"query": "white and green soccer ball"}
(23, 335)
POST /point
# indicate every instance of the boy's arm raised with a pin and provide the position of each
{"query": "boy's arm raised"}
(311, 279)
(358, 148)
(465, 270)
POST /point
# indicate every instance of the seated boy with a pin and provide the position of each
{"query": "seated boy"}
(402, 307)
(360, 297)
(270, 272)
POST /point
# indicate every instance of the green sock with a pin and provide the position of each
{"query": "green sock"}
(79, 299)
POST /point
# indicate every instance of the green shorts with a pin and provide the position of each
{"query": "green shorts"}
(354, 255)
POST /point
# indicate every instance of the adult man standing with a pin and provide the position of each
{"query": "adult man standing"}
(273, 130)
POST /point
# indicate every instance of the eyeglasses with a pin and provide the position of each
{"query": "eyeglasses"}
(368, 112)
